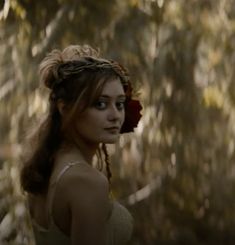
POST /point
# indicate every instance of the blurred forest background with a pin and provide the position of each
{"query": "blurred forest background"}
(176, 173)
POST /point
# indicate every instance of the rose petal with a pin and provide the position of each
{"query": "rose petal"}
(132, 116)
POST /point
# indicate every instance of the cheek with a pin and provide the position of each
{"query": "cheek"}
(90, 122)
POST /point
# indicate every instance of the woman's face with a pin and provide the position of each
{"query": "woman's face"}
(102, 122)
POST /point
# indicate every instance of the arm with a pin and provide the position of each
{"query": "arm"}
(89, 207)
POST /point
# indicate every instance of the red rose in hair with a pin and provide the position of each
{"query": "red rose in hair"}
(132, 111)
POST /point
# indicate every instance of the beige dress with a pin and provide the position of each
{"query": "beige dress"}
(118, 232)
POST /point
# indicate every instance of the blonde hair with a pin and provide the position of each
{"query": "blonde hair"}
(47, 68)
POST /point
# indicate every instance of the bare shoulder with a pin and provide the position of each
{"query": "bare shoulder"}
(87, 193)
(82, 184)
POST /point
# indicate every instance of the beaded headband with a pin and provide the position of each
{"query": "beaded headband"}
(132, 107)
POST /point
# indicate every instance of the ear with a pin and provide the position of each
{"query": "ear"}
(61, 106)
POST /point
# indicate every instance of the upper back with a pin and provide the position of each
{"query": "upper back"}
(119, 221)
(72, 187)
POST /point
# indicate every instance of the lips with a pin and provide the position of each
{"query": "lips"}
(113, 129)
(110, 128)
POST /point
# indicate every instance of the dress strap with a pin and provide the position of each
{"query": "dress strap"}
(53, 189)
(69, 165)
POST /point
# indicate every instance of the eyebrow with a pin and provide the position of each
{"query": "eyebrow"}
(118, 96)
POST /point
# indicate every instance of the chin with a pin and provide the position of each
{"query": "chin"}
(111, 140)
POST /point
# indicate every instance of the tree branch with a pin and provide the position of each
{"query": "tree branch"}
(143, 193)
(53, 31)
(6, 88)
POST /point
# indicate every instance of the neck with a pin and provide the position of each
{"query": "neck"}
(85, 149)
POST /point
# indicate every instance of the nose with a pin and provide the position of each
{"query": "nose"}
(113, 113)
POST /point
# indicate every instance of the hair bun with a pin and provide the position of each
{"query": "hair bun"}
(48, 68)
(75, 52)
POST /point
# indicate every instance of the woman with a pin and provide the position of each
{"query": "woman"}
(90, 104)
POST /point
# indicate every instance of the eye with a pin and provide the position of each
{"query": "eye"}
(120, 105)
(100, 105)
